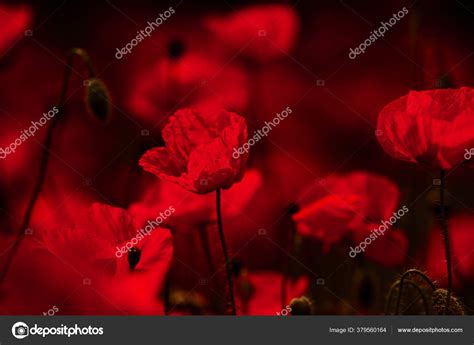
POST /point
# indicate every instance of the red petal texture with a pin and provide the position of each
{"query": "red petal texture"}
(342, 205)
(198, 153)
(432, 127)
(194, 210)
(263, 31)
(89, 246)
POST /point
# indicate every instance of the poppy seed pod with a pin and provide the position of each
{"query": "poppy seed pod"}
(98, 99)
(439, 300)
(301, 306)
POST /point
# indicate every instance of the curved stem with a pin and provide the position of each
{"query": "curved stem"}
(413, 284)
(406, 274)
(224, 249)
(45, 156)
(444, 227)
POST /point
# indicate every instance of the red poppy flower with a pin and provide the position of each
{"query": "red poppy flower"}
(268, 30)
(461, 238)
(198, 152)
(264, 290)
(14, 23)
(93, 246)
(432, 127)
(193, 210)
(194, 80)
(344, 204)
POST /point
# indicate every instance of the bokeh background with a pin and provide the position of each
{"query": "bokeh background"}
(335, 103)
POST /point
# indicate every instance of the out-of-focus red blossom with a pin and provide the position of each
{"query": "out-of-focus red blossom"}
(389, 250)
(90, 245)
(348, 206)
(265, 292)
(193, 80)
(461, 238)
(15, 21)
(199, 147)
(432, 127)
(268, 30)
(193, 210)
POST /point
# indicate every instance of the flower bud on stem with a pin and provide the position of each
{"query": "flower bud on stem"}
(46, 152)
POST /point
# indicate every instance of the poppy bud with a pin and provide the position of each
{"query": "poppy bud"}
(134, 255)
(301, 306)
(439, 302)
(97, 98)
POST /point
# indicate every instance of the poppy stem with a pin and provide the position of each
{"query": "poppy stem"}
(414, 285)
(286, 264)
(402, 279)
(444, 227)
(45, 156)
(224, 249)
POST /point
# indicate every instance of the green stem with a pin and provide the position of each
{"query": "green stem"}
(224, 249)
(444, 227)
(45, 157)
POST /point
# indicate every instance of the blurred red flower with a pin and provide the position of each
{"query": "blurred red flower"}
(194, 210)
(14, 23)
(341, 204)
(389, 250)
(259, 293)
(198, 152)
(461, 237)
(193, 80)
(268, 30)
(432, 127)
(351, 206)
(90, 246)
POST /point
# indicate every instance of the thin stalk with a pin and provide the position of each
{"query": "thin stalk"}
(402, 279)
(45, 156)
(447, 248)
(413, 284)
(286, 264)
(224, 249)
